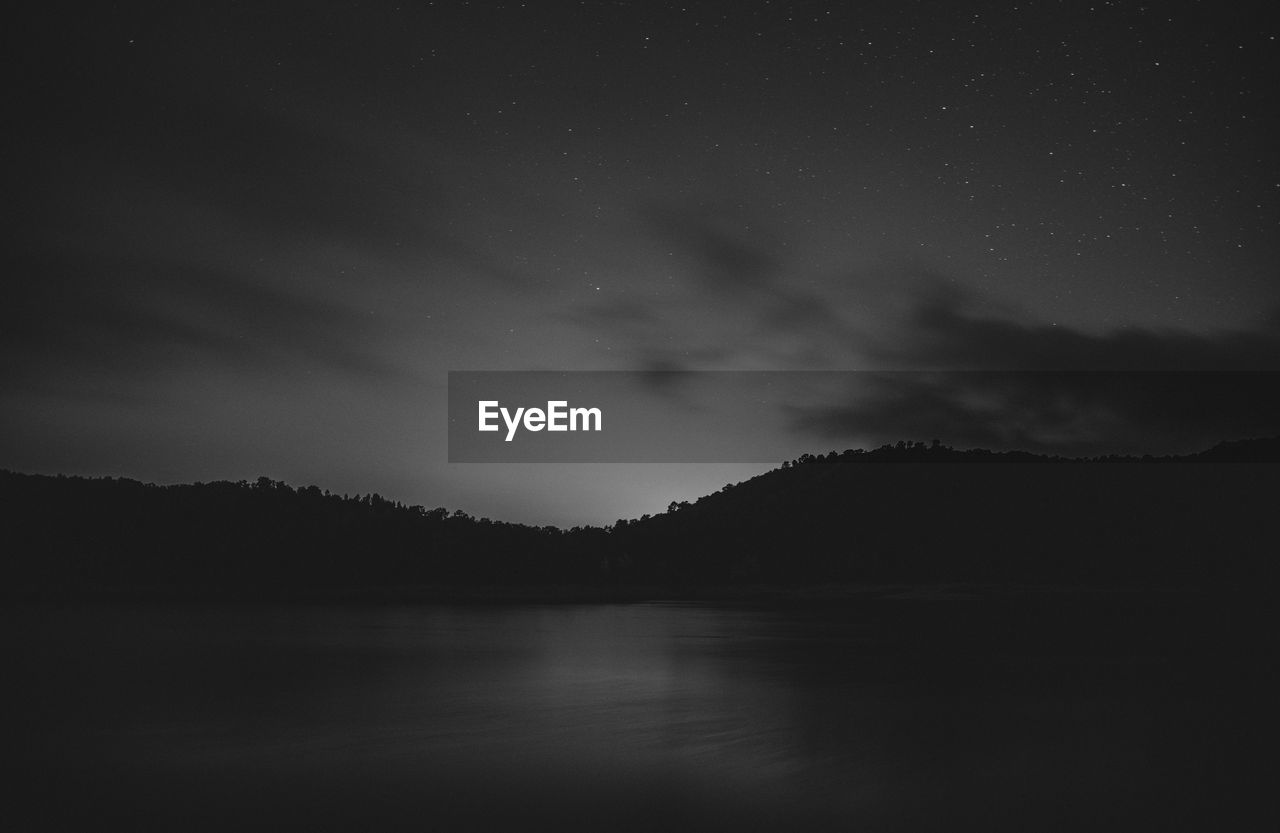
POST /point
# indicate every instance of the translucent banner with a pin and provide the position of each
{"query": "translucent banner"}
(770, 416)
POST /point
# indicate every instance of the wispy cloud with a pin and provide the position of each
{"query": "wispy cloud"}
(995, 382)
(124, 321)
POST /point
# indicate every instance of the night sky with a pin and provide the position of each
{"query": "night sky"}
(252, 241)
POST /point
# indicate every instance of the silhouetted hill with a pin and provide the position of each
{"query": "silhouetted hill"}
(1000, 517)
(1199, 520)
(1242, 451)
(70, 532)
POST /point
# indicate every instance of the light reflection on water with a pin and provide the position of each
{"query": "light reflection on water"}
(581, 717)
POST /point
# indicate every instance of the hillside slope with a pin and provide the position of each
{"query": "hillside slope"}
(908, 513)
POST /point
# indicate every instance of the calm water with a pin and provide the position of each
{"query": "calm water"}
(610, 717)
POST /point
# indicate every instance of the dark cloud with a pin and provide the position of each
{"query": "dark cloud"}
(220, 159)
(628, 314)
(1000, 379)
(732, 253)
(1079, 413)
(1055, 389)
(945, 333)
(272, 172)
(121, 321)
(744, 261)
(739, 304)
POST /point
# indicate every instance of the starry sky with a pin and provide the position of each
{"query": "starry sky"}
(253, 241)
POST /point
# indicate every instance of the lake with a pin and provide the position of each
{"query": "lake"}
(620, 717)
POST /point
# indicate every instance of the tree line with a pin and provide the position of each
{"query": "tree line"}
(1172, 521)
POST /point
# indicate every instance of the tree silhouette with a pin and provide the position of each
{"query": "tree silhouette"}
(998, 516)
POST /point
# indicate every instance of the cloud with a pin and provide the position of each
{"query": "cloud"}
(1003, 384)
(731, 252)
(1053, 412)
(124, 321)
(943, 333)
(738, 304)
(1001, 379)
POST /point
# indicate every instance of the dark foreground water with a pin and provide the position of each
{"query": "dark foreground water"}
(621, 717)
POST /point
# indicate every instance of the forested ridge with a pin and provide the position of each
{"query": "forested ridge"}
(936, 515)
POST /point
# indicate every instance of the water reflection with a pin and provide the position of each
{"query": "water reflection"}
(584, 717)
